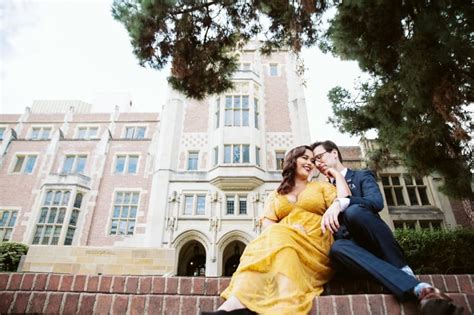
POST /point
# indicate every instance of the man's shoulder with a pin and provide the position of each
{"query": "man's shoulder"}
(363, 173)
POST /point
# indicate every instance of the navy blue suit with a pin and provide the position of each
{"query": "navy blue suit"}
(364, 243)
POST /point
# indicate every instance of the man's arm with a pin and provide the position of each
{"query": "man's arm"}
(372, 197)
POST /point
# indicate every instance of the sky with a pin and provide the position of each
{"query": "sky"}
(75, 50)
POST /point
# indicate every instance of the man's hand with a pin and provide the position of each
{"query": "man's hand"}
(329, 220)
(327, 171)
(299, 227)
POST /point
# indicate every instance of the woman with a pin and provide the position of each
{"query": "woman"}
(282, 270)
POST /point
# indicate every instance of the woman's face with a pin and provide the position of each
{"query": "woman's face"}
(304, 164)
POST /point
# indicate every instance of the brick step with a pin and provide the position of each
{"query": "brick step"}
(194, 285)
(103, 303)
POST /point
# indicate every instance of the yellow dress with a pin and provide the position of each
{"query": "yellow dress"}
(283, 269)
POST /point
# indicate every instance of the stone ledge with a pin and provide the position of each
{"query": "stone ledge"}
(195, 285)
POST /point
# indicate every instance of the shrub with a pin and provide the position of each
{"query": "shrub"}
(438, 251)
(10, 254)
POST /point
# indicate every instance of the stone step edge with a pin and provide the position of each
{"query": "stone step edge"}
(192, 285)
(87, 303)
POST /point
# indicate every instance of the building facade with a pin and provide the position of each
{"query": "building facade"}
(178, 192)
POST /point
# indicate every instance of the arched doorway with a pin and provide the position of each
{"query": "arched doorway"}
(231, 257)
(192, 260)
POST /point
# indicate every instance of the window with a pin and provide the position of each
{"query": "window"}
(40, 133)
(257, 156)
(55, 212)
(236, 153)
(418, 224)
(237, 110)
(87, 132)
(125, 213)
(393, 190)
(244, 66)
(24, 164)
(135, 132)
(74, 164)
(230, 205)
(126, 164)
(255, 102)
(193, 161)
(242, 205)
(416, 190)
(194, 204)
(2, 132)
(273, 69)
(280, 157)
(236, 204)
(7, 222)
(402, 190)
(218, 112)
(216, 156)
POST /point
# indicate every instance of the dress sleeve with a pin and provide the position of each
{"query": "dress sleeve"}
(271, 206)
(329, 193)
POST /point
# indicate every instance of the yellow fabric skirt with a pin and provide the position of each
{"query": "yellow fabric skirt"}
(283, 269)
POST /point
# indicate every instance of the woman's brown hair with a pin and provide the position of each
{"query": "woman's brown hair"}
(289, 169)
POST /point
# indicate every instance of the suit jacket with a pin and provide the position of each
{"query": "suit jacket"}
(365, 190)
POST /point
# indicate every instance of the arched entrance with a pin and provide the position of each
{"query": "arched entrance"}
(192, 260)
(231, 257)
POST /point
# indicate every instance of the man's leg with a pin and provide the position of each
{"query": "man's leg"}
(373, 234)
(358, 259)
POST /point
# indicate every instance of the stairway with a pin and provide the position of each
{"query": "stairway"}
(86, 294)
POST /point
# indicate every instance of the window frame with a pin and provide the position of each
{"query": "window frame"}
(135, 132)
(273, 66)
(194, 197)
(236, 199)
(128, 219)
(415, 224)
(188, 160)
(241, 154)
(26, 156)
(74, 163)
(68, 223)
(42, 129)
(126, 164)
(404, 188)
(3, 131)
(279, 166)
(8, 229)
(87, 136)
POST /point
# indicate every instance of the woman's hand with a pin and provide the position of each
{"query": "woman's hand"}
(299, 227)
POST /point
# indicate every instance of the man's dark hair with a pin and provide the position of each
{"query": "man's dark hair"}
(328, 146)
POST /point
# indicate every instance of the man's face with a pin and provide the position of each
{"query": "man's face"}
(324, 158)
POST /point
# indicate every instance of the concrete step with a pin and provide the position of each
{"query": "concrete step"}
(81, 294)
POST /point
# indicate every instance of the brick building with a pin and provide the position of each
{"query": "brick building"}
(177, 192)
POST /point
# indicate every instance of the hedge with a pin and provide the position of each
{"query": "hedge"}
(10, 254)
(438, 251)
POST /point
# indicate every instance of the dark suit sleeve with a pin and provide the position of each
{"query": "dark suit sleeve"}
(372, 197)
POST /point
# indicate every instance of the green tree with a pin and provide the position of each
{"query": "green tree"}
(417, 52)
(200, 36)
(419, 55)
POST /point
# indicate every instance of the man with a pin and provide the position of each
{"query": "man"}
(363, 241)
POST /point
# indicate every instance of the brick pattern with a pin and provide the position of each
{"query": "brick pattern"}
(195, 285)
(55, 293)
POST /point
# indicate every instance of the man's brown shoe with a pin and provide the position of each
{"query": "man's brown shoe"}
(435, 302)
